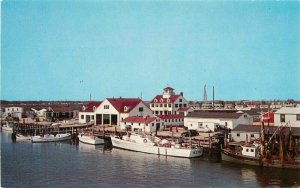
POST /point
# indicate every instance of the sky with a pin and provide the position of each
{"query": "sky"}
(67, 50)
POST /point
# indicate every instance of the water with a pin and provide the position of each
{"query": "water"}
(65, 165)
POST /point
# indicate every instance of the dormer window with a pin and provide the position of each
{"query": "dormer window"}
(83, 108)
(155, 100)
(94, 108)
(168, 100)
(161, 100)
(125, 108)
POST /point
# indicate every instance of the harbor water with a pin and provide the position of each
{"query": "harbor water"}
(63, 164)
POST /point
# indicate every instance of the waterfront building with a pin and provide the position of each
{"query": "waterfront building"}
(113, 110)
(172, 120)
(211, 120)
(267, 117)
(14, 111)
(61, 112)
(168, 102)
(185, 110)
(287, 115)
(39, 112)
(87, 113)
(142, 123)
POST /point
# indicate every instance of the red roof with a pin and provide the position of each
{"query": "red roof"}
(120, 103)
(139, 119)
(168, 88)
(171, 116)
(183, 109)
(89, 107)
(165, 100)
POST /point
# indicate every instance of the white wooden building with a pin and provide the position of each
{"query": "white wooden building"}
(287, 115)
(141, 123)
(168, 102)
(14, 111)
(210, 120)
(87, 113)
(113, 110)
(172, 120)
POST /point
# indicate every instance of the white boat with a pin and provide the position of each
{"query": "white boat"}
(20, 137)
(51, 138)
(8, 127)
(154, 145)
(90, 139)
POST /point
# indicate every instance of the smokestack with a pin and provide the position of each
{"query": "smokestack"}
(181, 93)
(213, 98)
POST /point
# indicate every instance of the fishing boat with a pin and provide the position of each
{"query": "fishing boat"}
(51, 138)
(154, 145)
(8, 126)
(89, 138)
(281, 151)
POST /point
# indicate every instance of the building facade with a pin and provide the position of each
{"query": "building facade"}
(113, 110)
(168, 102)
(87, 113)
(287, 116)
(142, 124)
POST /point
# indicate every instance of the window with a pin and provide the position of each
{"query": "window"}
(180, 100)
(155, 100)
(282, 117)
(165, 105)
(152, 124)
(298, 117)
(156, 105)
(170, 105)
(152, 105)
(82, 116)
(238, 134)
(106, 106)
(184, 105)
(176, 105)
(180, 105)
(247, 150)
(160, 105)
(141, 109)
(245, 115)
(92, 117)
(156, 112)
(226, 123)
(252, 135)
(252, 150)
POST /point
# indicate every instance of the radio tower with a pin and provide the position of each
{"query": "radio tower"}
(204, 94)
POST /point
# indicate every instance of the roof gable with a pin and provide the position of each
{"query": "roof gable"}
(89, 107)
(120, 103)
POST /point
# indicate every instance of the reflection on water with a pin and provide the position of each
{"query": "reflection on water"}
(64, 164)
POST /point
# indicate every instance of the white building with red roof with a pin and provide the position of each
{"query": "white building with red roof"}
(172, 120)
(142, 123)
(168, 102)
(113, 110)
(87, 113)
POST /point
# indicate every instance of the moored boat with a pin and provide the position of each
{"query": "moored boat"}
(8, 126)
(154, 145)
(51, 138)
(20, 137)
(88, 138)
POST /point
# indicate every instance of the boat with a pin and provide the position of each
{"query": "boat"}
(51, 138)
(154, 145)
(89, 138)
(281, 151)
(20, 137)
(8, 126)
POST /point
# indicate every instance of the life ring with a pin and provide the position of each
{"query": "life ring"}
(145, 140)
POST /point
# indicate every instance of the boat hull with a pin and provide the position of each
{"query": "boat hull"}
(51, 138)
(166, 151)
(228, 157)
(90, 140)
(8, 129)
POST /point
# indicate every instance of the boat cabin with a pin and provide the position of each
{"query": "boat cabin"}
(250, 151)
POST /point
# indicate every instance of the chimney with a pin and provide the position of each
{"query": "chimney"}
(181, 93)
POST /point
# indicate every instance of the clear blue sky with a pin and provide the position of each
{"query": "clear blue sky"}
(247, 50)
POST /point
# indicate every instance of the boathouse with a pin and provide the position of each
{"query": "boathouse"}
(113, 110)
(87, 113)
